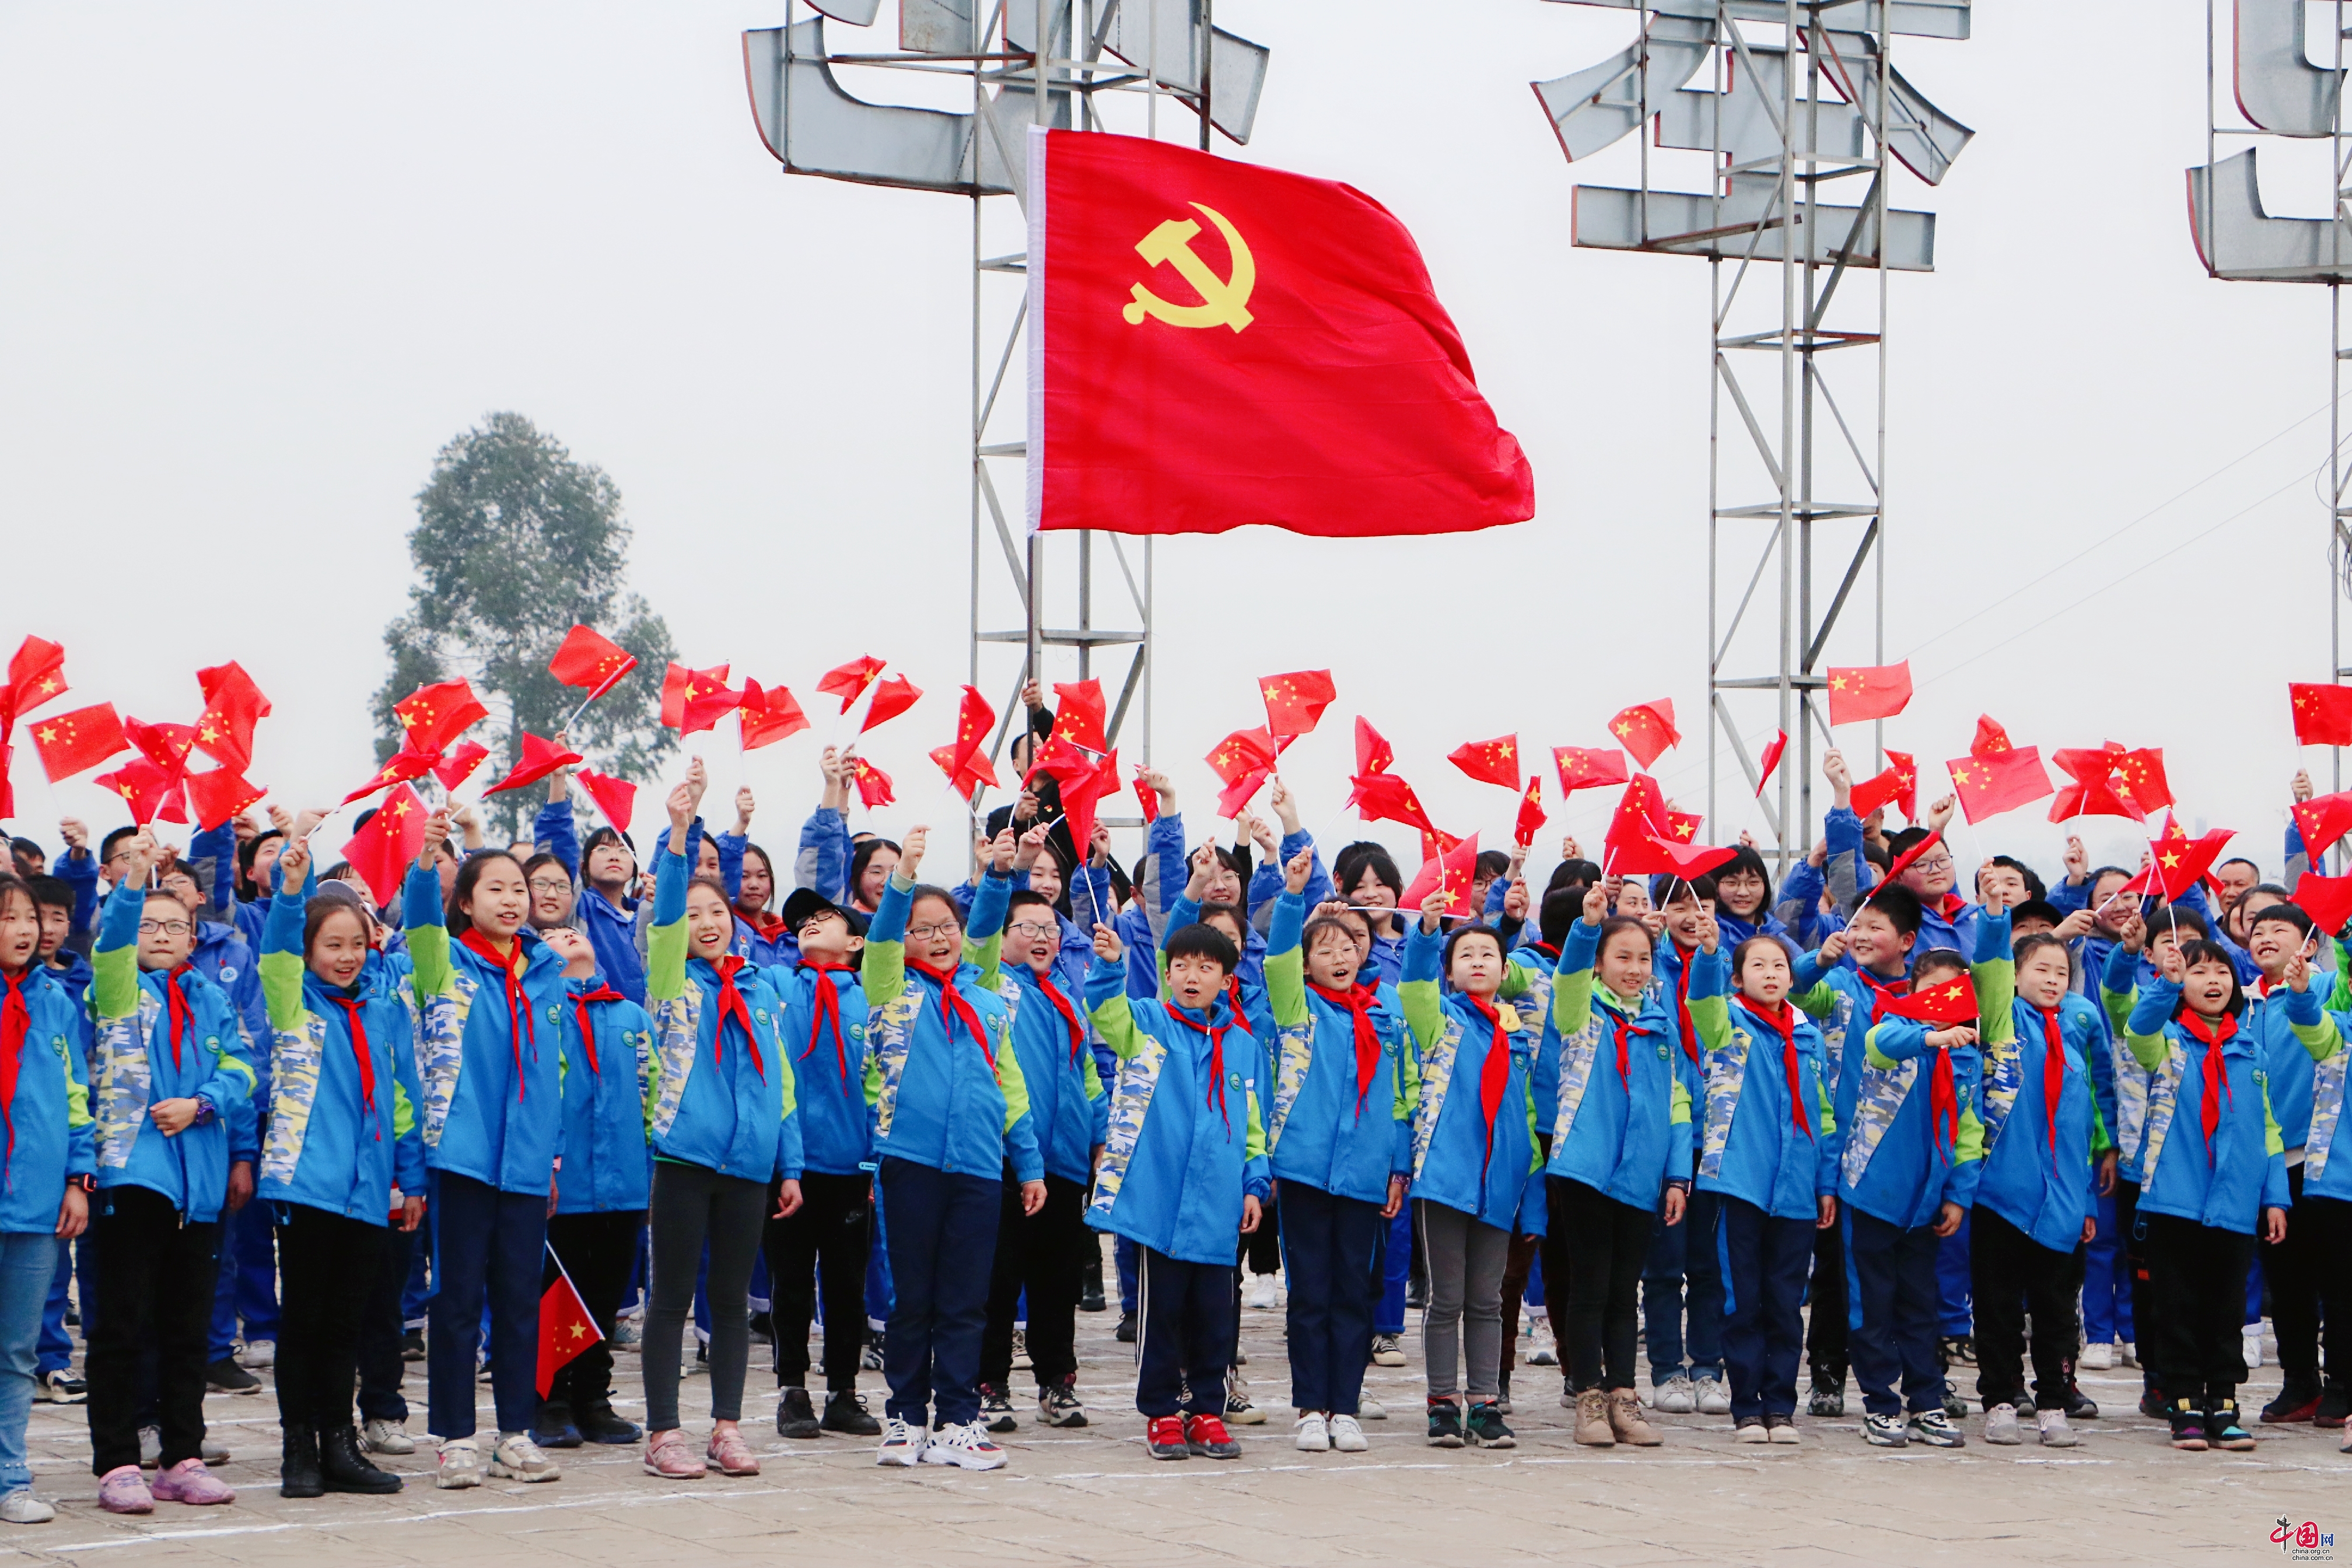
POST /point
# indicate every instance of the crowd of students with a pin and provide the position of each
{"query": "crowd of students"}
(2051, 1126)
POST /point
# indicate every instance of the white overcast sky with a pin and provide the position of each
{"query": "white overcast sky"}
(257, 262)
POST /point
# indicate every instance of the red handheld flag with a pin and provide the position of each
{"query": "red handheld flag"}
(565, 1329)
(695, 699)
(2326, 899)
(1900, 783)
(220, 795)
(1494, 762)
(1857, 692)
(1147, 796)
(1385, 797)
(1989, 783)
(2321, 821)
(975, 772)
(72, 742)
(1947, 1003)
(1292, 368)
(1078, 713)
(1989, 737)
(2323, 714)
(1640, 813)
(2176, 863)
(1235, 798)
(2139, 779)
(459, 762)
(1374, 753)
(433, 717)
(1240, 753)
(2095, 792)
(1646, 729)
(1686, 860)
(892, 698)
(973, 718)
(1061, 761)
(848, 681)
(1531, 813)
(398, 768)
(388, 843)
(1452, 870)
(589, 660)
(233, 706)
(874, 786)
(145, 788)
(37, 673)
(1294, 702)
(540, 758)
(166, 745)
(1772, 761)
(769, 716)
(616, 798)
(1080, 800)
(1584, 768)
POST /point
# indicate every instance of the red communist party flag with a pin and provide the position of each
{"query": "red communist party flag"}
(540, 758)
(233, 706)
(1857, 692)
(73, 742)
(433, 717)
(1078, 713)
(1948, 1002)
(591, 661)
(1494, 762)
(1451, 871)
(616, 798)
(1646, 729)
(1294, 702)
(1900, 783)
(1531, 813)
(220, 795)
(565, 1329)
(1582, 767)
(848, 681)
(2323, 714)
(892, 698)
(769, 716)
(1214, 343)
(1771, 760)
(388, 843)
(874, 787)
(1373, 752)
(459, 762)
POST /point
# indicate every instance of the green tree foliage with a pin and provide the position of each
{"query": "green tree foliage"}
(515, 541)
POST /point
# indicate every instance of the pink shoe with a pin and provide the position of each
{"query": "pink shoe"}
(733, 1456)
(189, 1482)
(668, 1454)
(123, 1489)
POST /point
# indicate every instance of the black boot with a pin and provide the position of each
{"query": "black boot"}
(298, 1471)
(346, 1468)
(1090, 1294)
(599, 1423)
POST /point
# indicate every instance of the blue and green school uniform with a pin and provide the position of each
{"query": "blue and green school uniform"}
(1474, 1123)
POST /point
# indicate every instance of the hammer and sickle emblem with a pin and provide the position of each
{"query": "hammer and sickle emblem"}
(1224, 301)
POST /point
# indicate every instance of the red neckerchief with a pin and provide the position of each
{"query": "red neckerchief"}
(360, 1054)
(1943, 1089)
(952, 1007)
(1494, 1076)
(16, 1022)
(2053, 1071)
(519, 1018)
(1547, 949)
(580, 1001)
(1682, 1002)
(2216, 1082)
(1233, 999)
(827, 999)
(731, 1006)
(1783, 1019)
(1358, 1000)
(175, 1005)
(1949, 906)
(767, 926)
(1217, 1033)
(1625, 1027)
(1069, 1013)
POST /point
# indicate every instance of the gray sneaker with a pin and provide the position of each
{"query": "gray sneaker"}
(1675, 1396)
(24, 1507)
(2055, 1433)
(1935, 1429)
(2001, 1427)
(1714, 1395)
(517, 1459)
(382, 1436)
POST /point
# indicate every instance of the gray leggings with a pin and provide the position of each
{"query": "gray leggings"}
(1465, 1321)
(693, 1203)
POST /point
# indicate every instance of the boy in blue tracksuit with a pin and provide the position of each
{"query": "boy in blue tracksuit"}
(343, 1141)
(1339, 1140)
(1043, 1255)
(49, 1156)
(170, 1072)
(1617, 1097)
(1771, 1148)
(1183, 1173)
(2213, 1177)
(829, 1235)
(1476, 1160)
(952, 1125)
(2046, 1151)
(1910, 1149)
(604, 1188)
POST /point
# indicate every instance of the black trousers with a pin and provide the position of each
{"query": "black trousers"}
(2327, 1234)
(694, 1206)
(1606, 1243)
(2010, 1275)
(2196, 1282)
(327, 1265)
(1184, 1336)
(825, 1243)
(1044, 1254)
(2292, 1269)
(1262, 1248)
(600, 1252)
(155, 1287)
(1825, 1332)
(383, 1326)
(2145, 1313)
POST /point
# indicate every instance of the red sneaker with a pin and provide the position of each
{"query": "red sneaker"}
(1206, 1435)
(1164, 1437)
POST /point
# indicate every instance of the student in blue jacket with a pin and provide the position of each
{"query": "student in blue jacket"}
(1475, 1158)
(1043, 1255)
(2046, 1153)
(170, 1072)
(1339, 1139)
(1771, 1148)
(1183, 1174)
(1619, 1098)
(48, 1159)
(55, 960)
(952, 1125)
(2214, 1174)
(488, 997)
(602, 1187)
(720, 1118)
(342, 1138)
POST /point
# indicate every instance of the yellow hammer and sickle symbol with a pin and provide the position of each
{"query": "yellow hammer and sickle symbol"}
(1224, 303)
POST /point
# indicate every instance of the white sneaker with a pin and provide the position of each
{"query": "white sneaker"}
(2098, 1358)
(1347, 1437)
(257, 1354)
(1261, 1293)
(2126, 1354)
(1714, 1395)
(517, 1459)
(151, 1447)
(1675, 1396)
(2250, 1342)
(1370, 1410)
(967, 1445)
(457, 1463)
(1312, 1435)
(1541, 1351)
(380, 1436)
(24, 1507)
(2055, 1433)
(2001, 1427)
(901, 1444)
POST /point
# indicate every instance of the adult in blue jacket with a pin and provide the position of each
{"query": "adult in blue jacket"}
(344, 1136)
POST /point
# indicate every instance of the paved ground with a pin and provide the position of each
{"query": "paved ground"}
(1093, 1497)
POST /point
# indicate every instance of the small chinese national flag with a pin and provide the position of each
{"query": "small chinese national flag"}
(1294, 702)
(1146, 795)
(1078, 713)
(1857, 692)
(1451, 872)
(1771, 759)
(695, 699)
(233, 706)
(2323, 714)
(72, 742)
(565, 1329)
(589, 660)
(432, 717)
(220, 795)
(976, 771)
(2326, 899)
(892, 698)
(1989, 783)
(1900, 783)
(540, 758)
(1494, 762)
(769, 716)
(398, 768)
(1646, 729)
(37, 672)
(459, 762)
(849, 681)
(874, 786)
(974, 717)
(1582, 767)
(616, 798)
(1240, 753)
(381, 851)
(1948, 1002)
(148, 790)
(2176, 862)
(1374, 753)
(2319, 821)
(1531, 814)
(1384, 797)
